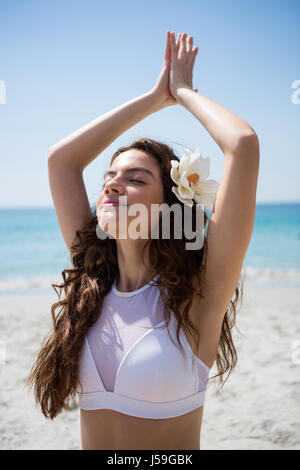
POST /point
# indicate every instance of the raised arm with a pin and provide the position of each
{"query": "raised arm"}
(82, 146)
(232, 221)
(68, 158)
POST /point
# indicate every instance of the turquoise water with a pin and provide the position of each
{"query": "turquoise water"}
(33, 253)
(32, 250)
(275, 241)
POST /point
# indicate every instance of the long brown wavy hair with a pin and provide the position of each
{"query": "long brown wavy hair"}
(55, 374)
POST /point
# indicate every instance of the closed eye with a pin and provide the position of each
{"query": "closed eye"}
(135, 181)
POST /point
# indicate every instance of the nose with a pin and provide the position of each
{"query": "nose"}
(112, 187)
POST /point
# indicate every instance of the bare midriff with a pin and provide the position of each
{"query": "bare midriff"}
(112, 430)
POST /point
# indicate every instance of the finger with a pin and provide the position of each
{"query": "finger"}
(194, 53)
(182, 47)
(189, 44)
(178, 40)
(167, 48)
(184, 37)
(172, 42)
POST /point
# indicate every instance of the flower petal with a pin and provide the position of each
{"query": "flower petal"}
(199, 164)
(204, 168)
(185, 193)
(184, 181)
(207, 186)
(195, 160)
(184, 162)
(189, 202)
(174, 171)
(207, 199)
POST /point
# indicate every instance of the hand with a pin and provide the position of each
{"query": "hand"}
(161, 90)
(182, 63)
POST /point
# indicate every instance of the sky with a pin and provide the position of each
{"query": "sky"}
(64, 63)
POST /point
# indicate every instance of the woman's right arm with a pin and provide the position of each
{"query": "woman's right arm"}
(68, 158)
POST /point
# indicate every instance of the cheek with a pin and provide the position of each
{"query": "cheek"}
(98, 205)
(99, 200)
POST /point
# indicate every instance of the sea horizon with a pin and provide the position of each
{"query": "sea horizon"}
(33, 253)
(258, 203)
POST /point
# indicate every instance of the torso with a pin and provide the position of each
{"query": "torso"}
(111, 430)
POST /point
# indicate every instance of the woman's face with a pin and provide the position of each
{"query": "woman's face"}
(140, 186)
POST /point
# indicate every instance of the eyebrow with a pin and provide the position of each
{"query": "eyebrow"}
(130, 170)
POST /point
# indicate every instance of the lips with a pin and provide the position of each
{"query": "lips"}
(111, 202)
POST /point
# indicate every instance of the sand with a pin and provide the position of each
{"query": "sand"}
(258, 408)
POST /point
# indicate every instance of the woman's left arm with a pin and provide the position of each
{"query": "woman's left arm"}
(227, 129)
(232, 221)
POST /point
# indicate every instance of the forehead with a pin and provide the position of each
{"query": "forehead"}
(134, 159)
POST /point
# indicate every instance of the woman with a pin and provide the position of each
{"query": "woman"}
(137, 388)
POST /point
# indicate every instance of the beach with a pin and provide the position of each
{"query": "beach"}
(258, 408)
(259, 405)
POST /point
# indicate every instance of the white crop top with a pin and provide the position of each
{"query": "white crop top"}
(130, 365)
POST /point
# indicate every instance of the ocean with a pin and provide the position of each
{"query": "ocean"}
(33, 253)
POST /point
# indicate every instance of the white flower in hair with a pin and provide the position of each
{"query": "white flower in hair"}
(190, 176)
